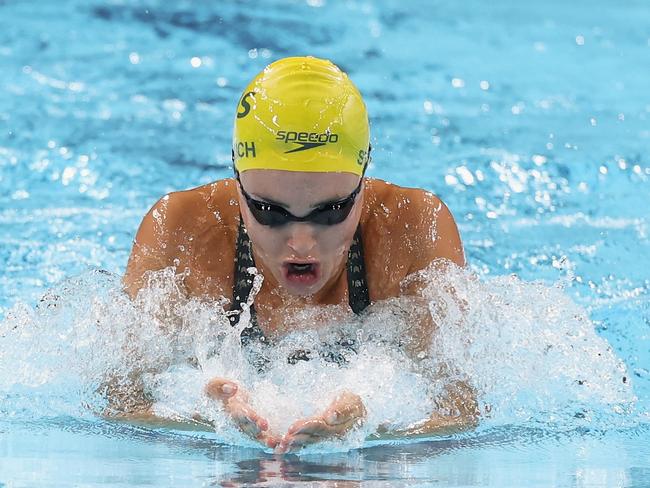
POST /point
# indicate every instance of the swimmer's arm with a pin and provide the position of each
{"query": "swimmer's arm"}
(456, 412)
(129, 402)
(148, 418)
(438, 244)
(137, 409)
(457, 408)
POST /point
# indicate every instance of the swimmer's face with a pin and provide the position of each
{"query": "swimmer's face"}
(302, 257)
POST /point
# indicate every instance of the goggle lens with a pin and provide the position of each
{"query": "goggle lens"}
(276, 216)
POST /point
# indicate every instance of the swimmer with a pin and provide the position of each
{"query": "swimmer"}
(300, 209)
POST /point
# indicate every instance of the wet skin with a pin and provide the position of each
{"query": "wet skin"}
(403, 231)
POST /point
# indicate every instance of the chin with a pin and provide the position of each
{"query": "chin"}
(301, 290)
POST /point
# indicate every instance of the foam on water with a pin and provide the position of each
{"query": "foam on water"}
(530, 353)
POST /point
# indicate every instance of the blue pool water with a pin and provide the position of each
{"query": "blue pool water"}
(530, 120)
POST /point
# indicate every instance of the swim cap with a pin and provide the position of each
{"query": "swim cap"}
(301, 114)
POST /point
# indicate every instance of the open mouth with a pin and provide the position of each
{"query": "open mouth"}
(300, 268)
(301, 273)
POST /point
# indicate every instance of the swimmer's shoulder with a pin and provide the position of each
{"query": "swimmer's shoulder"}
(186, 229)
(210, 204)
(204, 219)
(421, 227)
(396, 205)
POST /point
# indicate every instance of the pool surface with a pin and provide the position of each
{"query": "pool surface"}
(530, 120)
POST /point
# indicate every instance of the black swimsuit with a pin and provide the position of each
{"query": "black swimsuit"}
(358, 296)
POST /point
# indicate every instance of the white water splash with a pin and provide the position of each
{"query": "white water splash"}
(527, 350)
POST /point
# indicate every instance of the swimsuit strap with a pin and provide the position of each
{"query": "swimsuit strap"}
(243, 284)
(358, 295)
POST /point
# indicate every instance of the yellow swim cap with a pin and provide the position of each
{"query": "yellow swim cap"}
(301, 114)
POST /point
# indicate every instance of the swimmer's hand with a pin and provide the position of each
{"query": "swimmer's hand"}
(342, 415)
(235, 402)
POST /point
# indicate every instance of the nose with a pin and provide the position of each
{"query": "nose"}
(302, 239)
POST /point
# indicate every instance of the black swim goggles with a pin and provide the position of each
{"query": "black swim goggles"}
(330, 213)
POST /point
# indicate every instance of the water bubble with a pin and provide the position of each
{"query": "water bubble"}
(465, 175)
(538, 159)
(539, 46)
(518, 108)
(20, 195)
(451, 180)
(457, 82)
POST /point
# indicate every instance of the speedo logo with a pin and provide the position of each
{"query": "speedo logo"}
(305, 140)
